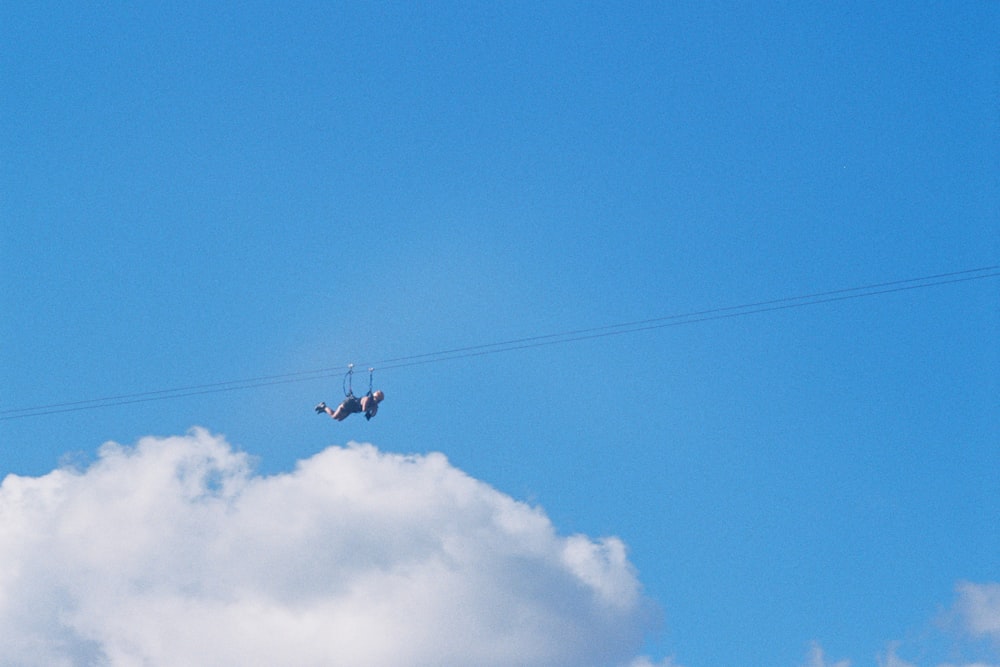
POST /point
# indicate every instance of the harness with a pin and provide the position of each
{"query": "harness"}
(351, 402)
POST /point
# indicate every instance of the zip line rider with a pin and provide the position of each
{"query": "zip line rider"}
(351, 404)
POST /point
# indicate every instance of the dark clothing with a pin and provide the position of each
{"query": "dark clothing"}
(351, 405)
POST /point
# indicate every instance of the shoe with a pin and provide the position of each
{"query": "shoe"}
(321, 408)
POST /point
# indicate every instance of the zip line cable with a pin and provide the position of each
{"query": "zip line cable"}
(704, 315)
(694, 317)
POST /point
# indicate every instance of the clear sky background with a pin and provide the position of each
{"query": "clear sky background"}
(203, 193)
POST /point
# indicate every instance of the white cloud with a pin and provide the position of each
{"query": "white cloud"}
(645, 661)
(893, 660)
(173, 552)
(818, 659)
(979, 607)
(889, 659)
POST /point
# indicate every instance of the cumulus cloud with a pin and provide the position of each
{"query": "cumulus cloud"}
(174, 552)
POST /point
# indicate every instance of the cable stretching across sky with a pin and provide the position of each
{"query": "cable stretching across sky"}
(559, 338)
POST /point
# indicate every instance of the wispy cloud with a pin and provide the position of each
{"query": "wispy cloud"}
(979, 607)
(890, 659)
(818, 659)
(975, 613)
(646, 662)
(174, 552)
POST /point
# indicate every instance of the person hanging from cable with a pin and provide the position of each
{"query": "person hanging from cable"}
(351, 404)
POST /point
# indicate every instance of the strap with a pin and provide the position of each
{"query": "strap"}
(348, 389)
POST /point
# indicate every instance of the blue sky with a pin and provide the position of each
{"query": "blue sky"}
(198, 194)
